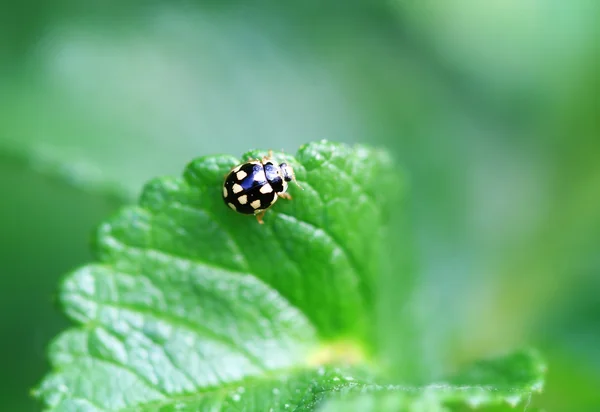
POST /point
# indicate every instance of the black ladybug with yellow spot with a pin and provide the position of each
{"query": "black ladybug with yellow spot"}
(253, 187)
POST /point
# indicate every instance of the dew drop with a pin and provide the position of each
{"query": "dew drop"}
(236, 397)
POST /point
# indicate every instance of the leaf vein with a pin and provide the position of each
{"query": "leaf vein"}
(231, 238)
(198, 329)
(355, 270)
(116, 364)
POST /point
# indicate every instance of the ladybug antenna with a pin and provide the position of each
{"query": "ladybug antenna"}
(295, 181)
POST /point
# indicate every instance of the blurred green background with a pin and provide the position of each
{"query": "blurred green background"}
(492, 107)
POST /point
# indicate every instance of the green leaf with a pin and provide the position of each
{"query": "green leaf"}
(192, 305)
(505, 381)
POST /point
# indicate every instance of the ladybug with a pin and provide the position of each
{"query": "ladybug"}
(253, 187)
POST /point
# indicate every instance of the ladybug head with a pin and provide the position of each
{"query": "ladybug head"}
(288, 173)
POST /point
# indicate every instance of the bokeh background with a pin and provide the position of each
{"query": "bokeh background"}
(491, 107)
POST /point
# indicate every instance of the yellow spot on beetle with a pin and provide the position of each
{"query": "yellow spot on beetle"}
(241, 174)
(243, 199)
(255, 204)
(224, 191)
(231, 205)
(266, 189)
(236, 188)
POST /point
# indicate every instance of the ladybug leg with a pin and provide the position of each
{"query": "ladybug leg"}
(259, 216)
(285, 195)
(269, 156)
